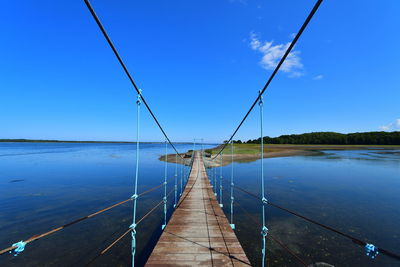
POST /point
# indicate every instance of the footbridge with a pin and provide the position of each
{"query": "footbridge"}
(198, 233)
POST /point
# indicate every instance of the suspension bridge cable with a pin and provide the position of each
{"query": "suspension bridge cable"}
(220, 182)
(36, 237)
(352, 238)
(215, 182)
(91, 250)
(110, 43)
(127, 231)
(135, 195)
(272, 237)
(176, 178)
(153, 209)
(115, 241)
(292, 44)
(232, 185)
(165, 187)
(264, 229)
(181, 177)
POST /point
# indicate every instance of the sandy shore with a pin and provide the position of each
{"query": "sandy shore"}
(250, 152)
(243, 157)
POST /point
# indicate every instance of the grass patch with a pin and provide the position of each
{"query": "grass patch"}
(255, 148)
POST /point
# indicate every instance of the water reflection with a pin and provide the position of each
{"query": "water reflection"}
(46, 185)
(354, 191)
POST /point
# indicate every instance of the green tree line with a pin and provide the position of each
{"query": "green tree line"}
(332, 138)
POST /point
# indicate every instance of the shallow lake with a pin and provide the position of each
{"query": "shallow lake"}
(46, 185)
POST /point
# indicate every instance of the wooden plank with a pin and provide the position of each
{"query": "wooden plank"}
(198, 233)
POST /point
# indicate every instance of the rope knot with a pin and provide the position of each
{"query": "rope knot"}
(264, 201)
(139, 97)
(135, 196)
(165, 199)
(371, 251)
(264, 231)
(133, 226)
(20, 246)
(261, 102)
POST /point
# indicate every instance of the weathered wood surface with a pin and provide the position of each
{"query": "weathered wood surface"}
(198, 233)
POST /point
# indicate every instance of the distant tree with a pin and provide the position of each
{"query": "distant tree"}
(332, 138)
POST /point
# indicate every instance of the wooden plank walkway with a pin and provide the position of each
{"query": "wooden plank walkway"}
(198, 233)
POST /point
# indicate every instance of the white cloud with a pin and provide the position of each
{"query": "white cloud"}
(394, 126)
(271, 55)
(292, 35)
(319, 77)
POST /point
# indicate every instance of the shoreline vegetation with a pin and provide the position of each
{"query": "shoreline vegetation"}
(332, 138)
(243, 153)
(306, 144)
(300, 144)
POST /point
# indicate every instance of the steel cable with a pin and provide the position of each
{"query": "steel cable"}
(36, 237)
(127, 231)
(292, 44)
(110, 43)
(353, 239)
(272, 237)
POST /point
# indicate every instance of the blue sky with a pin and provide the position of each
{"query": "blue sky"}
(200, 65)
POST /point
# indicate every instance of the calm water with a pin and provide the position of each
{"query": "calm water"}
(46, 185)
